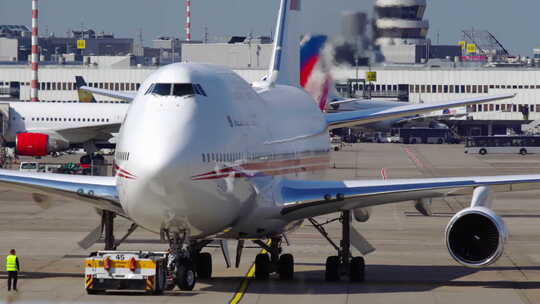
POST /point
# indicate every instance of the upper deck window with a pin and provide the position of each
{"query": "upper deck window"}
(176, 89)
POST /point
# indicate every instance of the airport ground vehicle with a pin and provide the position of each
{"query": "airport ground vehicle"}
(126, 270)
(425, 136)
(336, 143)
(31, 167)
(503, 144)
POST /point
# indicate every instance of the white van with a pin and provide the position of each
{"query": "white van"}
(31, 167)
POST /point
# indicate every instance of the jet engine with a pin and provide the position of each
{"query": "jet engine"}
(38, 144)
(475, 236)
(362, 215)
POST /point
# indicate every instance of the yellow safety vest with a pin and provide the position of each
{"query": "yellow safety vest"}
(11, 263)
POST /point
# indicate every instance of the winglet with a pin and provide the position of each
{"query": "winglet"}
(285, 60)
(84, 96)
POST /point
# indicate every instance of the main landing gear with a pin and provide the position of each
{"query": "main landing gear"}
(342, 264)
(273, 261)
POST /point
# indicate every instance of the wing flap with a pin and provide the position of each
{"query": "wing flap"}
(355, 118)
(98, 191)
(303, 199)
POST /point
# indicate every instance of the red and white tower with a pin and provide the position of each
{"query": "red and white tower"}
(35, 53)
(188, 20)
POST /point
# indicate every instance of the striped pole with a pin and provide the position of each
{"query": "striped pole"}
(35, 52)
(188, 20)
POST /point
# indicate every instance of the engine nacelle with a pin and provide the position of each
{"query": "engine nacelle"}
(38, 144)
(475, 237)
(362, 215)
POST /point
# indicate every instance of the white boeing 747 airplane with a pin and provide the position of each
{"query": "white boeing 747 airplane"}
(203, 155)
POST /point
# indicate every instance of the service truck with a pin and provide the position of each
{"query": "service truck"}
(127, 270)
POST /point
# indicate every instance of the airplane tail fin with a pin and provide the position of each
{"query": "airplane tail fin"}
(310, 53)
(315, 76)
(286, 55)
(84, 96)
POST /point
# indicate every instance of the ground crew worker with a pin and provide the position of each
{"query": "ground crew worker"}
(12, 268)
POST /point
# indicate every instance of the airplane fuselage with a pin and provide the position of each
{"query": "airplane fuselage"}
(210, 165)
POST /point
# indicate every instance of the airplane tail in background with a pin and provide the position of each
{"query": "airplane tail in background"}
(310, 53)
(318, 82)
(84, 96)
(286, 55)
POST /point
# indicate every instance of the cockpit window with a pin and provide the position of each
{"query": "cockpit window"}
(183, 89)
(163, 89)
(176, 89)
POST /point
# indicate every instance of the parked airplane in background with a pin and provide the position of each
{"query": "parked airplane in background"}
(37, 129)
(316, 78)
(205, 155)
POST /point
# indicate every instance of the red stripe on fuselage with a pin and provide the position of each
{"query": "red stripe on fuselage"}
(267, 173)
(269, 168)
(117, 168)
(285, 163)
(261, 166)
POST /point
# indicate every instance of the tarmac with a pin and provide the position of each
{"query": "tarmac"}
(410, 265)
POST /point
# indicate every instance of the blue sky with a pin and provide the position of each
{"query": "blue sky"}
(513, 23)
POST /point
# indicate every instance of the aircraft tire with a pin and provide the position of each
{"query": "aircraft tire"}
(523, 151)
(204, 265)
(331, 273)
(358, 269)
(262, 266)
(482, 151)
(286, 267)
(186, 276)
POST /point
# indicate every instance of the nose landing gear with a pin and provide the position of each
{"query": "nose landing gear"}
(186, 262)
(180, 262)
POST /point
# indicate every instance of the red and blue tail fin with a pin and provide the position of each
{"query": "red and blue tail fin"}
(315, 75)
(310, 53)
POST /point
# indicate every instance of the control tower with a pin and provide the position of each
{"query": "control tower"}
(399, 22)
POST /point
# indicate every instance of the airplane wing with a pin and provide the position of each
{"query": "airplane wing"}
(98, 191)
(114, 94)
(355, 118)
(105, 129)
(366, 103)
(423, 118)
(84, 90)
(304, 199)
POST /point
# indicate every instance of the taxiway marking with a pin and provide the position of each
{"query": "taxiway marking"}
(245, 282)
